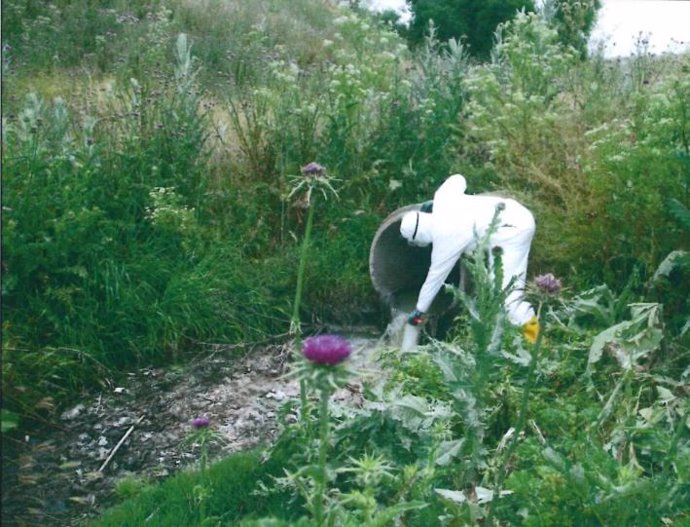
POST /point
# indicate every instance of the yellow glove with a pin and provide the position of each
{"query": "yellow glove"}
(530, 329)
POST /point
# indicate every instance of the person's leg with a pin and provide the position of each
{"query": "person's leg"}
(515, 246)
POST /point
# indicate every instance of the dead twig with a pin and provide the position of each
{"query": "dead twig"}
(119, 444)
(220, 348)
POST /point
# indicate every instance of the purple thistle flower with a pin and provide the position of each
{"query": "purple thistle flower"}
(326, 349)
(548, 283)
(313, 169)
(201, 422)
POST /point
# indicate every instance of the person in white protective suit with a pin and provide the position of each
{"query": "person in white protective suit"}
(452, 228)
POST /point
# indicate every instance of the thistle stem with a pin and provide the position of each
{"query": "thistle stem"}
(295, 321)
(522, 416)
(302, 265)
(323, 455)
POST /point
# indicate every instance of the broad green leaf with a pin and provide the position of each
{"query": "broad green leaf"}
(413, 404)
(665, 395)
(452, 495)
(603, 338)
(647, 414)
(577, 472)
(412, 411)
(522, 357)
(485, 495)
(449, 450)
(649, 312)
(447, 367)
(554, 458)
(671, 261)
(634, 339)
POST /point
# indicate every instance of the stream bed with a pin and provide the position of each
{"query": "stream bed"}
(137, 429)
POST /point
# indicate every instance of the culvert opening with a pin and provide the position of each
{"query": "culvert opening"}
(398, 269)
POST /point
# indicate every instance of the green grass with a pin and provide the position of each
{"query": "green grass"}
(233, 482)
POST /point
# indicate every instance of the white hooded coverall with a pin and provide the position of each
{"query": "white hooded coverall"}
(457, 219)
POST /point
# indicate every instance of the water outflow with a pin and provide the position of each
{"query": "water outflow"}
(400, 334)
(397, 272)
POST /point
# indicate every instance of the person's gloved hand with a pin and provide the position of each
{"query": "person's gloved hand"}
(530, 329)
(417, 318)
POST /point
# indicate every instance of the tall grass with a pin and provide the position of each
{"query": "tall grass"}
(73, 34)
(106, 249)
(231, 501)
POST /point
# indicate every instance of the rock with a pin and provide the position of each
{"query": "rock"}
(277, 395)
(72, 413)
(123, 421)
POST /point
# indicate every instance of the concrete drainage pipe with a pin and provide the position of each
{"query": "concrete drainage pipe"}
(398, 271)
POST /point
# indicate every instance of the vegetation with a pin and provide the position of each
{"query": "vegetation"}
(152, 153)
(575, 429)
(574, 21)
(471, 21)
(176, 501)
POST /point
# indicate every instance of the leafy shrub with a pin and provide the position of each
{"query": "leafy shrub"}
(578, 140)
(467, 19)
(237, 42)
(105, 248)
(637, 164)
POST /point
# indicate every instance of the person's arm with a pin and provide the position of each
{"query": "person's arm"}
(445, 250)
(443, 258)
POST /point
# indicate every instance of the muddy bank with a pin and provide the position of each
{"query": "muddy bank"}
(137, 429)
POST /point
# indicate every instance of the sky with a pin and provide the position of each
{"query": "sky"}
(621, 23)
(665, 24)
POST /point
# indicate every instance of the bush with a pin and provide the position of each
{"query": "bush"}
(577, 141)
(106, 251)
(67, 34)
